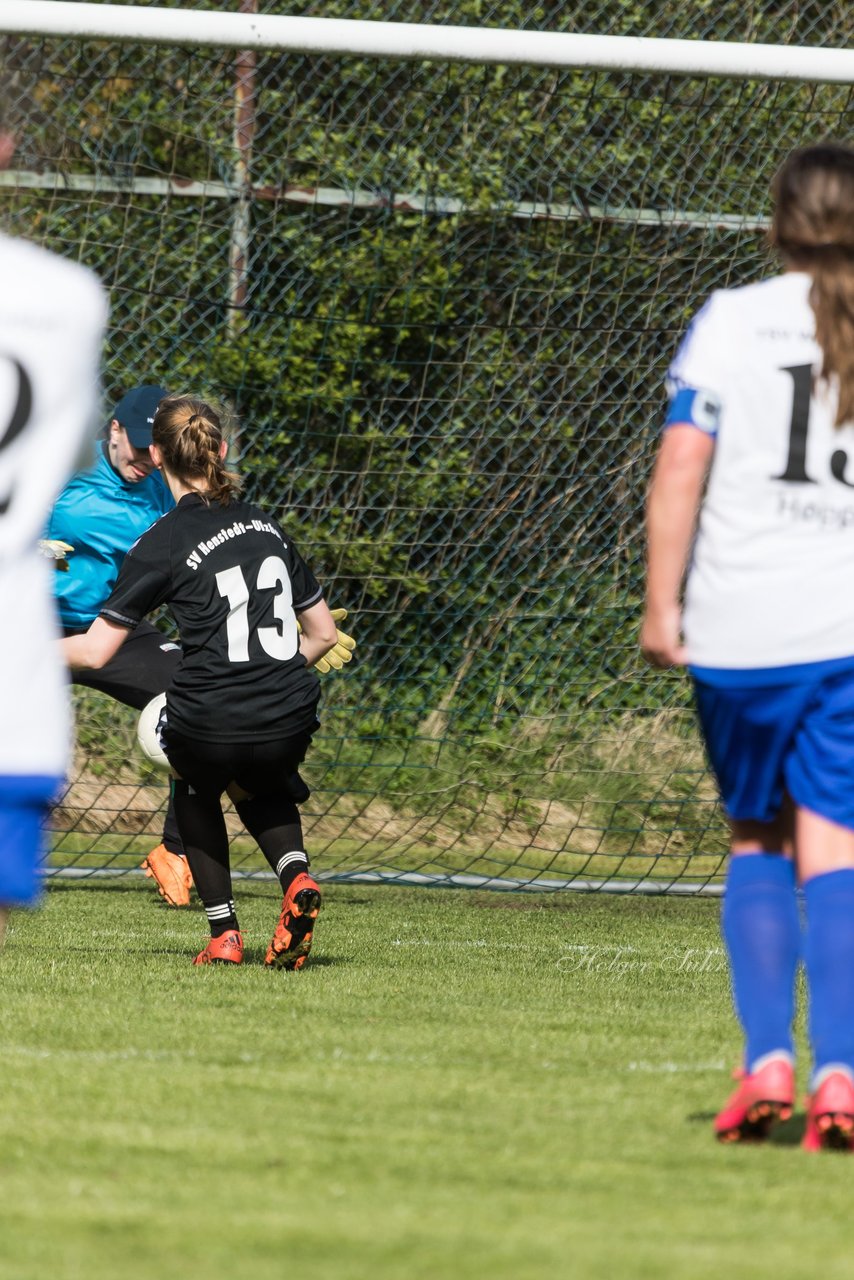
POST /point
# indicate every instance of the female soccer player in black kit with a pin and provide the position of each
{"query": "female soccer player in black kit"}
(242, 707)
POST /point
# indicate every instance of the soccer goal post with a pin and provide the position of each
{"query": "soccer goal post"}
(438, 271)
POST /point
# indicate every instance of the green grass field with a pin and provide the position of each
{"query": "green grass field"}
(458, 1085)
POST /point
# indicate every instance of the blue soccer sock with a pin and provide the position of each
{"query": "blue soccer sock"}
(829, 963)
(761, 928)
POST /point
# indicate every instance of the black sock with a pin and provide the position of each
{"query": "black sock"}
(221, 917)
(289, 866)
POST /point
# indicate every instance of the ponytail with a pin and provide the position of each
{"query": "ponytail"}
(813, 229)
(189, 435)
(832, 300)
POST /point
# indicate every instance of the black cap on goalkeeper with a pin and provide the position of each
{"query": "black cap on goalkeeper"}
(135, 412)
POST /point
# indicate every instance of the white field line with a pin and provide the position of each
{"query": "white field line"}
(506, 884)
(676, 1068)
(337, 1054)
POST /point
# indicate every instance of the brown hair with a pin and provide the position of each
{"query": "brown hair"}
(813, 228)
(189, 435)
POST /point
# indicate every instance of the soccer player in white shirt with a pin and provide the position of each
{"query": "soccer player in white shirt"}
(752, 505)
(52, 318)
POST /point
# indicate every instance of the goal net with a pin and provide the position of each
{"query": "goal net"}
(441, 297)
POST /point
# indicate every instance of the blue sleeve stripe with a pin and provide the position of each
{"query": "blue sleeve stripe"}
(694, 408)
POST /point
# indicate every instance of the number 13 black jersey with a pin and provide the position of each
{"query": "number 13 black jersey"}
(234, 583)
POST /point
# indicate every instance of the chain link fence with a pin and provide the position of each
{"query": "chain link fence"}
(440, 300)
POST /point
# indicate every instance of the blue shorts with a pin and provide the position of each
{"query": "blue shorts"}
(24, 806)
(766, 739)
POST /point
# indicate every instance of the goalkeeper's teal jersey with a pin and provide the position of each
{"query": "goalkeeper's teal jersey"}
(101, 516)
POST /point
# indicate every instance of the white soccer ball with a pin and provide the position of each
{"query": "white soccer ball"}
(148, 731)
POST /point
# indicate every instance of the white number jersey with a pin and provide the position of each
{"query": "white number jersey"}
(52, 317)
(771, 582)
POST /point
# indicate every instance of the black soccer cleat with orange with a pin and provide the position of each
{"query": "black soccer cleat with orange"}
(291, 942)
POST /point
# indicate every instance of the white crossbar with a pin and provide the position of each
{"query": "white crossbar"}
(425, 42)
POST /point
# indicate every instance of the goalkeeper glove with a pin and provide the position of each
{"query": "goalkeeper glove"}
(53, 549)
(341, 651)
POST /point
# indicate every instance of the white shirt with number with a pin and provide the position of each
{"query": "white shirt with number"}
(771, 581)
(52, 317)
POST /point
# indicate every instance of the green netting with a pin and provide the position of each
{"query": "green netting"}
(441, 299)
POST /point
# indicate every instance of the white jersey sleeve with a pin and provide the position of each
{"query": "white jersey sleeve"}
(697, 377)
(52, 318)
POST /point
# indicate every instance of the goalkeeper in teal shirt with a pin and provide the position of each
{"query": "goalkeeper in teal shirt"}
(100, 513)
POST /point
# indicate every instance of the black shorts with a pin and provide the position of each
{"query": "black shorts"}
(142, 668)
(258, 768)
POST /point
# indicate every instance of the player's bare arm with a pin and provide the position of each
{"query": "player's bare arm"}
(94, 648)
(671, 517)
(318, 633)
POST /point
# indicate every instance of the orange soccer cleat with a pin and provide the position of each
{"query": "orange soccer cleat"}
(291, 942)
(830, 1115)
(762, 1098)
(226, 949)
(171, 874)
